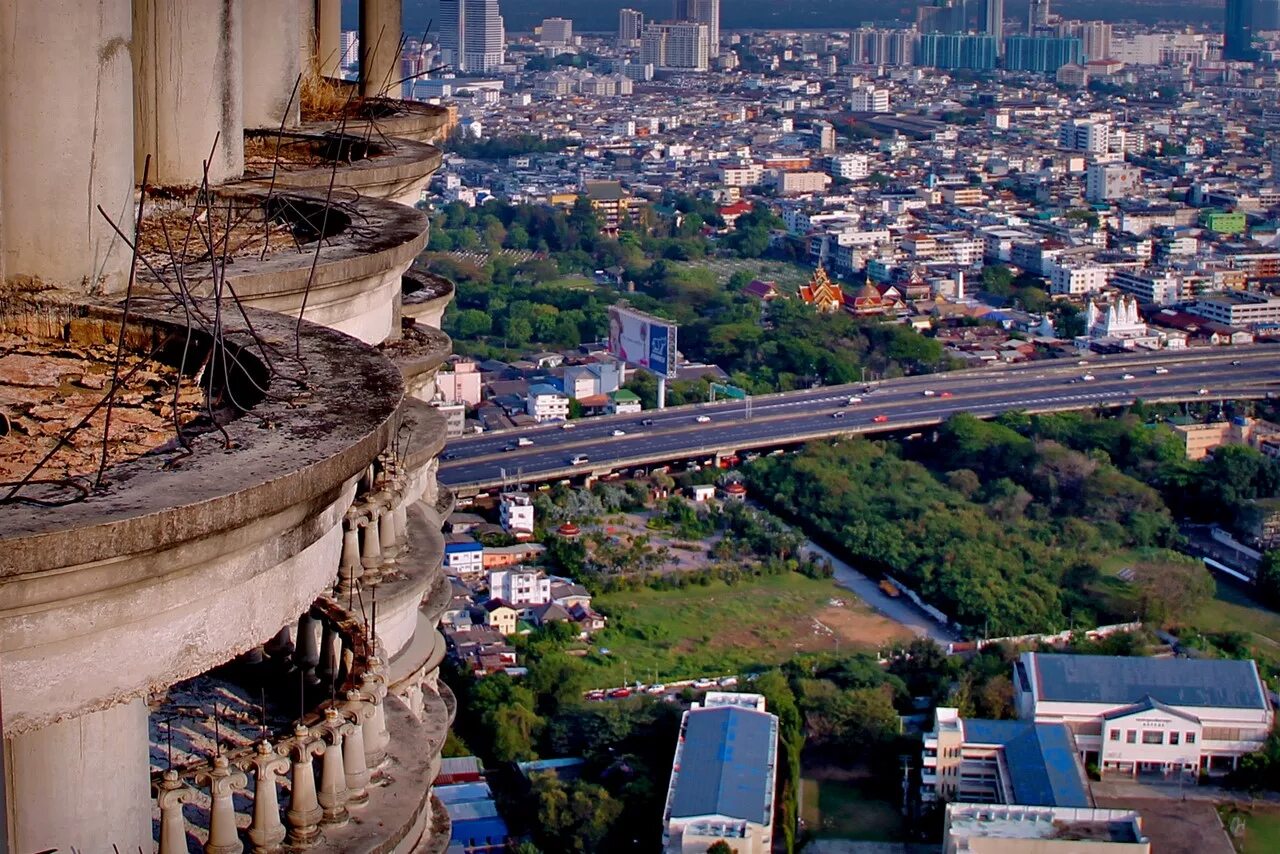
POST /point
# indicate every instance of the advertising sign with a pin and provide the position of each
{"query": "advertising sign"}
(643, 340)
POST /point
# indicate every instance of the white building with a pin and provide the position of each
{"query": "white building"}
(1106, 182)
(556, 31)
(472, 35)
(1148, 715)
(547, 403)
(869, 99)
(982, 829)
(520, 587)
(1161, 287)
(742, 175)
(681, 45)
(1076, 281)
(722, 777)
(707, 12)
(800, 183)
(1091, 134)
(630, 24)
(463, 555)
(850, 167)
(1239, 309)
(515, 513)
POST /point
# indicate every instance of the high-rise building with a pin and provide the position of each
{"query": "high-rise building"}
(993, 20)
(1037, 15)
(956, 50)
(630, 25)
(452, 22)
(556, 31)
(678, 45)
(1266, 15)
(483, 36)
(707, 12)
(1238, 41)
(681, 10)
(869, 99)
(1041, 53)
(1096, 36)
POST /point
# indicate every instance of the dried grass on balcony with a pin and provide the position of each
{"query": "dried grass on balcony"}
(322, 100)
(168, 236)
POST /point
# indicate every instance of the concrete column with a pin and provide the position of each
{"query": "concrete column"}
(66, 140)
(328, 56)
(188, 70)
(380, 48)
(83, 783)
(306, 33)
(272, 63)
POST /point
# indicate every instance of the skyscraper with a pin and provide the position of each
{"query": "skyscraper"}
(1238, 41)
(682, 45)
(707, 12)
(1037, 15)
(681, 10)
(630, 24)
(474, 32)
(993, 23)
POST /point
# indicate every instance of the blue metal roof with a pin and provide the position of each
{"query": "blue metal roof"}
(1213, 682)
(725, 767)
(1044, 766)
(481, 831)
(459, 548)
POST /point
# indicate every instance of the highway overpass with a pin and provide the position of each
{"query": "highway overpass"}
(598, 446)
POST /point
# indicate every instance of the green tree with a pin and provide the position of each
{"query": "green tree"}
(1267, 579)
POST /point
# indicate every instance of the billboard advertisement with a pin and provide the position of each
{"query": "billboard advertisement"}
(643, 340)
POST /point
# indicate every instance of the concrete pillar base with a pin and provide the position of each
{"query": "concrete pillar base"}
(82, 784)
(380, 31)
(328, 55)
(272, 63)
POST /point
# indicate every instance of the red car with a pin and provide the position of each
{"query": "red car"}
(945, 394)
(880, 419)
(620, 693)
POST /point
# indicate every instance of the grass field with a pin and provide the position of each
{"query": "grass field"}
(843, 804)
(719, 629)
(1261, 828)
(1231, 610)
(788, 276)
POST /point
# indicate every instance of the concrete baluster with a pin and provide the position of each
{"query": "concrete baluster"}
(376, 739)
(223, 783)
(306, 655)
(387, 528)
(349, 568)
(330, 654)
(172, 794)
(371, 555)
(333, 774)
(399, 513)
(304, 808)
(281, 644)
(267, 831)
(358, 711)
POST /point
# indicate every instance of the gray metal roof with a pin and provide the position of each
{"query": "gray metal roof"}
(1044, 765)
(726, 766)
(1119, 680)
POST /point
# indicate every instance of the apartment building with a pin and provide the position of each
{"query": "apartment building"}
(520, 587)
(1078, 281)
(1158, 287)
(515, 513)
(1244, 309)
(850, 167)
(547, 403)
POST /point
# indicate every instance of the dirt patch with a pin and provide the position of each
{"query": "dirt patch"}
(855, 623)
(1176, 826)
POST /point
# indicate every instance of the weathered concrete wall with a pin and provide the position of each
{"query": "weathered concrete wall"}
(328, 34)
(187, 68)
(83, 783)
(272, 63)
(380, 31)
(66, 139)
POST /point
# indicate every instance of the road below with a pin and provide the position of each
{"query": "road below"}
(899, 609)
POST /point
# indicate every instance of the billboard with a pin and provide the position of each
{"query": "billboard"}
(643, 340)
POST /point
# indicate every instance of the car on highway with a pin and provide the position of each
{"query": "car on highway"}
(618, 433)
(929, 392)
(619, 693)
(449, 455)
(524, 442)
(1160, 370)
(880, 419)
(839, 413)
(1127, 376)
(945, 394)
(704, 683)
(853, 401)
(511, 446)
(1088, 378)
(1203, 391)
(648, 422)
(703, 419)
(568, 425)
(1235, 363)
(578, 459)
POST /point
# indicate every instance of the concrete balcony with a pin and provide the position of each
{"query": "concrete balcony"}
(369, 118)
(426, 296)
(396, 170)
(420, 354)
(194, 552)
(338, 264)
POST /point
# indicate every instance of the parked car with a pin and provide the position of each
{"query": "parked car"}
(619, 693)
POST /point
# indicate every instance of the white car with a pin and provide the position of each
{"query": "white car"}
(853, 401)
(1160, 370)
(524, 442)
(703, 419)
(1088, 378)
(929, 392)
(568, 425)
(1203, 391)
(578, 459)
(619, 433)
(1126, 376)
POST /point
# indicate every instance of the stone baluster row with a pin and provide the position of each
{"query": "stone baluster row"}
(348, 743)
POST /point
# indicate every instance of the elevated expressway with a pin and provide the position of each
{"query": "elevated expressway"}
(474, 464)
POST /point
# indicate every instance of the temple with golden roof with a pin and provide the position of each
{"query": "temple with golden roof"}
(822, 293)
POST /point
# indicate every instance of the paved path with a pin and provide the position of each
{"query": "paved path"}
(899, 609)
